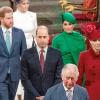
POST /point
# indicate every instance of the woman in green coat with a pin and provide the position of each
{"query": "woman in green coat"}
(69, 42)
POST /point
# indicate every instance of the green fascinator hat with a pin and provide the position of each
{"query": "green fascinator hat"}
(69, 17)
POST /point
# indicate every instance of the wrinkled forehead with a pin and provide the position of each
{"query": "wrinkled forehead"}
(69, 73)
(42, 31)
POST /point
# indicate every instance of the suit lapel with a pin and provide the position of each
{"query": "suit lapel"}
(76, 95)
(48, 56)
(36, 57)
(3, 41)
(62, 93)
(14, 37)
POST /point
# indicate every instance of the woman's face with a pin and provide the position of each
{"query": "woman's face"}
(68, 27)
(95, 45)
(23, 6)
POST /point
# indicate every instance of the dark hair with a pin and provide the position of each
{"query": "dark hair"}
(19, 1)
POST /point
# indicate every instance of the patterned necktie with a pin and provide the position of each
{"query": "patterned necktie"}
(8, 42)
(69, 94)
(42, 59)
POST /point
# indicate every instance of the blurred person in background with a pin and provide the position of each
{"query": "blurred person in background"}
(12, 45)
(25, 20)
(69, 42)
(89, 64)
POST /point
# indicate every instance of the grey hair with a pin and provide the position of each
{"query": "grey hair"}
(70, 67)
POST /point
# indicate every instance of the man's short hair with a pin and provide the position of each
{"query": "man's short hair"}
(4, 10)
(70, 67)
(41, 27)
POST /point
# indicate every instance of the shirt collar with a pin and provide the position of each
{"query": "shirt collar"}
(66, 89)
(38, 49)
(18, 11)
(5, 29)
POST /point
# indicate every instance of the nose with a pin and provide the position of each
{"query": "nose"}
(70, 80)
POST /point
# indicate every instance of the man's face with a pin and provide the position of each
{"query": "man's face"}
(7, 21)
(69, 79)
(68, 27)
(42, 37)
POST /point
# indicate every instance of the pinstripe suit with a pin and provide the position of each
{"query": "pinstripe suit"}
(34, 81)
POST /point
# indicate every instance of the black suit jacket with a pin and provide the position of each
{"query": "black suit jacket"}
(34, 81)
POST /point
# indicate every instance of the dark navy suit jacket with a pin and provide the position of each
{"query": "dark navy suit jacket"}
(34, 81)
(11, 59)
(57, 92)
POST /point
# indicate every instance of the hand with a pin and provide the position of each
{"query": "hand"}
(40, 98)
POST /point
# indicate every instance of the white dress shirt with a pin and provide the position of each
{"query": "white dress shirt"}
(66, 89)
(4, 29)
(44, 53)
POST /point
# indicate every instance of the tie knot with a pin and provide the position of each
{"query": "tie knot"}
(7, 32)
(69, 90)
(42, 50)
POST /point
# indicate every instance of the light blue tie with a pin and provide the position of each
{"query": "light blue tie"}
(8, 42)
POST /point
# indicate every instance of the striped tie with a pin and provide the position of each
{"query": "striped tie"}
(69, 94)
(8, 42)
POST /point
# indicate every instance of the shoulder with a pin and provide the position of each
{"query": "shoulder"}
(84, 53)
(17, 29)
(58, 37)
(54, 88)
(78, 34)
(31, 13)
(81, 89)
(28, 52)
(55, 50)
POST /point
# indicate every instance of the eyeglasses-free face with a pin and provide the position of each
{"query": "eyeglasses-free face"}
(68, 27)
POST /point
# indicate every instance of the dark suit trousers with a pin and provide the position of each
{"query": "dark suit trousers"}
(8, 89)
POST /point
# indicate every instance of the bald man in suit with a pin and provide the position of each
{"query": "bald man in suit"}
(37, 76)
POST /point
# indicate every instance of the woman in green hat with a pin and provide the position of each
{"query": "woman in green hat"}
(69, 42)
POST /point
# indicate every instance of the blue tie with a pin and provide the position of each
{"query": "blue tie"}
(8, 42)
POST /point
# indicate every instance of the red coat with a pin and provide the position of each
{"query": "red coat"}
(89, 63)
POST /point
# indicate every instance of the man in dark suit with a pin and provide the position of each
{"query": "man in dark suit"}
(40, 71)
(12, 44)
(67, 89)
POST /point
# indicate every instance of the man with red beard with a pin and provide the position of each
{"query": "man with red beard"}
(12, 45)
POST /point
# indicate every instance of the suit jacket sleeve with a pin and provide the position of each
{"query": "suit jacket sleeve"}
(87, 95)
(49, 93)
(23, 43)
(81, 68)
(25, 77)
(58, 68)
